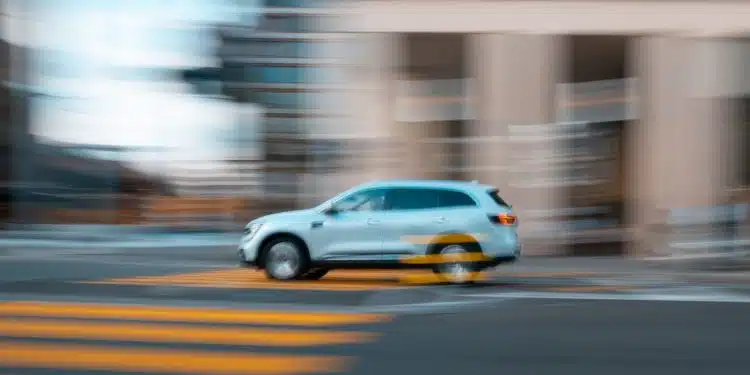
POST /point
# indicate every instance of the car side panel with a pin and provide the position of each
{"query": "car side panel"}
(406, 232)
(348, 235)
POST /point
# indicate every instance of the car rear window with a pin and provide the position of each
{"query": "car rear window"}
(448, 199)
(495, 195)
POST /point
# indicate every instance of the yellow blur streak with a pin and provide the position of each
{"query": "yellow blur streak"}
(445, 258)
(239, 278)
(87, 357)
(444, 238)
(431, 278)
(123, 312)
(182, 334)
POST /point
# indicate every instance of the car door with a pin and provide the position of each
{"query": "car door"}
(352, 232)
(409, 221)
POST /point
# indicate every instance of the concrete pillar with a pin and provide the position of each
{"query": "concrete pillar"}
(515, 91)
(677, 145)
(369, 124)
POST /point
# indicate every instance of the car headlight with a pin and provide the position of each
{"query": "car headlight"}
(252, 228)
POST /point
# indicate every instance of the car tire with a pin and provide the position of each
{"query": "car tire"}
(285, 258)
(459, 272)
(315, 274)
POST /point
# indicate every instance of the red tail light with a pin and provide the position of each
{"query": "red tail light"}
(504, 219)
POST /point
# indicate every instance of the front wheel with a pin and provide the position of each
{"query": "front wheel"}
(285, 259)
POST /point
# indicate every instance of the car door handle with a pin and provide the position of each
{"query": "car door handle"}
(440, 219)
(373, 221)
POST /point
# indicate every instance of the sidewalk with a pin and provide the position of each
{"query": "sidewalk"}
(616, 267)
(113, 237)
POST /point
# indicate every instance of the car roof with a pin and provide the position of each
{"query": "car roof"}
(448, 184)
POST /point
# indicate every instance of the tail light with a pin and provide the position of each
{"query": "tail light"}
(504, 219)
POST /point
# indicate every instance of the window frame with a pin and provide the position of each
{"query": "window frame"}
(338, 201)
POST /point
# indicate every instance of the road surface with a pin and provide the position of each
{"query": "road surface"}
(87, 312)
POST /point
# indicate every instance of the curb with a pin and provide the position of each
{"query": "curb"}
(702, 263)
(127, 243)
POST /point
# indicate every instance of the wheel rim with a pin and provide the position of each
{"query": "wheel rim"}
(283, 260)
(458, 271)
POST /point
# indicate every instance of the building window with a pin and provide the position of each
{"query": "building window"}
(281, 100)
(286, 49)
(276, 49)
(275, 74)
(288, 23)
(294, 74)
(234, 72)
(295, 3)
(283, 125)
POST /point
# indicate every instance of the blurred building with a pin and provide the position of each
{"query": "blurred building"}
(593, 120)
(285, 64)
(52, 182)
(9, 131)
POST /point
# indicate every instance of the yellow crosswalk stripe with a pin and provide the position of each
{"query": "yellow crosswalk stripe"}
(183, 314)
(171, 333)
(339, 280)
(89, 357)
(165, 326)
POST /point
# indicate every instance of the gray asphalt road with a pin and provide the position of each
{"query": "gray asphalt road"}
(230, 321)
(581, 338)
(519, 337)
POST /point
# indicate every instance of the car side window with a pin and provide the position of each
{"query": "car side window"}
(366, 200)
(452, 198)
(411, 199)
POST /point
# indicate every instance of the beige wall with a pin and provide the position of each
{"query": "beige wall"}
(676, 149)
(681, 141)
(714, 17)
(516, 79)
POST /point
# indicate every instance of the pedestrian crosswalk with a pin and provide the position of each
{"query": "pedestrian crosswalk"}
(177, 340)
(337, 280)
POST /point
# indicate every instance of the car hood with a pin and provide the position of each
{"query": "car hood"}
(296, 215)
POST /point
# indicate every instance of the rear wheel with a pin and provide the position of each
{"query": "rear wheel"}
(458, 272)
(285, 259)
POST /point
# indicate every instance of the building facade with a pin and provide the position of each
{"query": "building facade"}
(595, 118)
(282, 62)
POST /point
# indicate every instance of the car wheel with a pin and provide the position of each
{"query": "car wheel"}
(315, 274)
(285, 259)
(457, 272)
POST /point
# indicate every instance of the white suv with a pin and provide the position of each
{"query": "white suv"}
(388, 224)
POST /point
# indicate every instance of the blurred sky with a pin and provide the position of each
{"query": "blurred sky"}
(111, 61)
